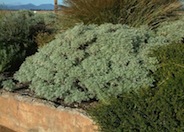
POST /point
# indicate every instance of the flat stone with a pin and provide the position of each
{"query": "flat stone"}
(26, 114)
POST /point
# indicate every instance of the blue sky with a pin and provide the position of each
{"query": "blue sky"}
(35, 2)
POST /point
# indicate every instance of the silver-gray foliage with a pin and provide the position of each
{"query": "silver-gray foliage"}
(91, 62)
(172, 32)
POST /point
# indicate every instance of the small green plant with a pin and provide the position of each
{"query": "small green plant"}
(83, 63)
(7, 81)
(133, 13)
(9, 85)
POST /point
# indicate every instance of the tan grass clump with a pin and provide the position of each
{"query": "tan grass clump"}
(133, 13)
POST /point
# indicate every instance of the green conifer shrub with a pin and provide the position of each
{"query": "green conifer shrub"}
(160, 108)
(90, 62)
(17, 37)
(171, 63)
(133, 13)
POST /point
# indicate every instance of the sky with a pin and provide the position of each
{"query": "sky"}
(35, 2)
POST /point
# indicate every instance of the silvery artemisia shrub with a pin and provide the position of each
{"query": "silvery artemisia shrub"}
(172, 31)
(91, 62)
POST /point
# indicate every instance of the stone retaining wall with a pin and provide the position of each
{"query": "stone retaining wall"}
(25, 114)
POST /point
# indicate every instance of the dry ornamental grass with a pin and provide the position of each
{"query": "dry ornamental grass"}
(134, 13)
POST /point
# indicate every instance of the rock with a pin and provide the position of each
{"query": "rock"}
(27, 114)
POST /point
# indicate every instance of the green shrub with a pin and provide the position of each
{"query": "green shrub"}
(17, 37)
(50, 20)
(10, 56)
(171, 64)
(133, 13)
(45, 36)
(134, 112)
(2, 13)
(153, 109)
(9, 85)
(4, 77)
(90, 62)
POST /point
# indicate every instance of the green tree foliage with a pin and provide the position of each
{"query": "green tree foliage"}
(152, 109)
(17, 37)
(133, 13)
(90, 62)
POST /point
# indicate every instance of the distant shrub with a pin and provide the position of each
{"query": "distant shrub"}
(42, 38)
(133, 13)
(50, 20)
(2, 13)
(151, 109)
(90, 62)
(51, 28)
(17, 37)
